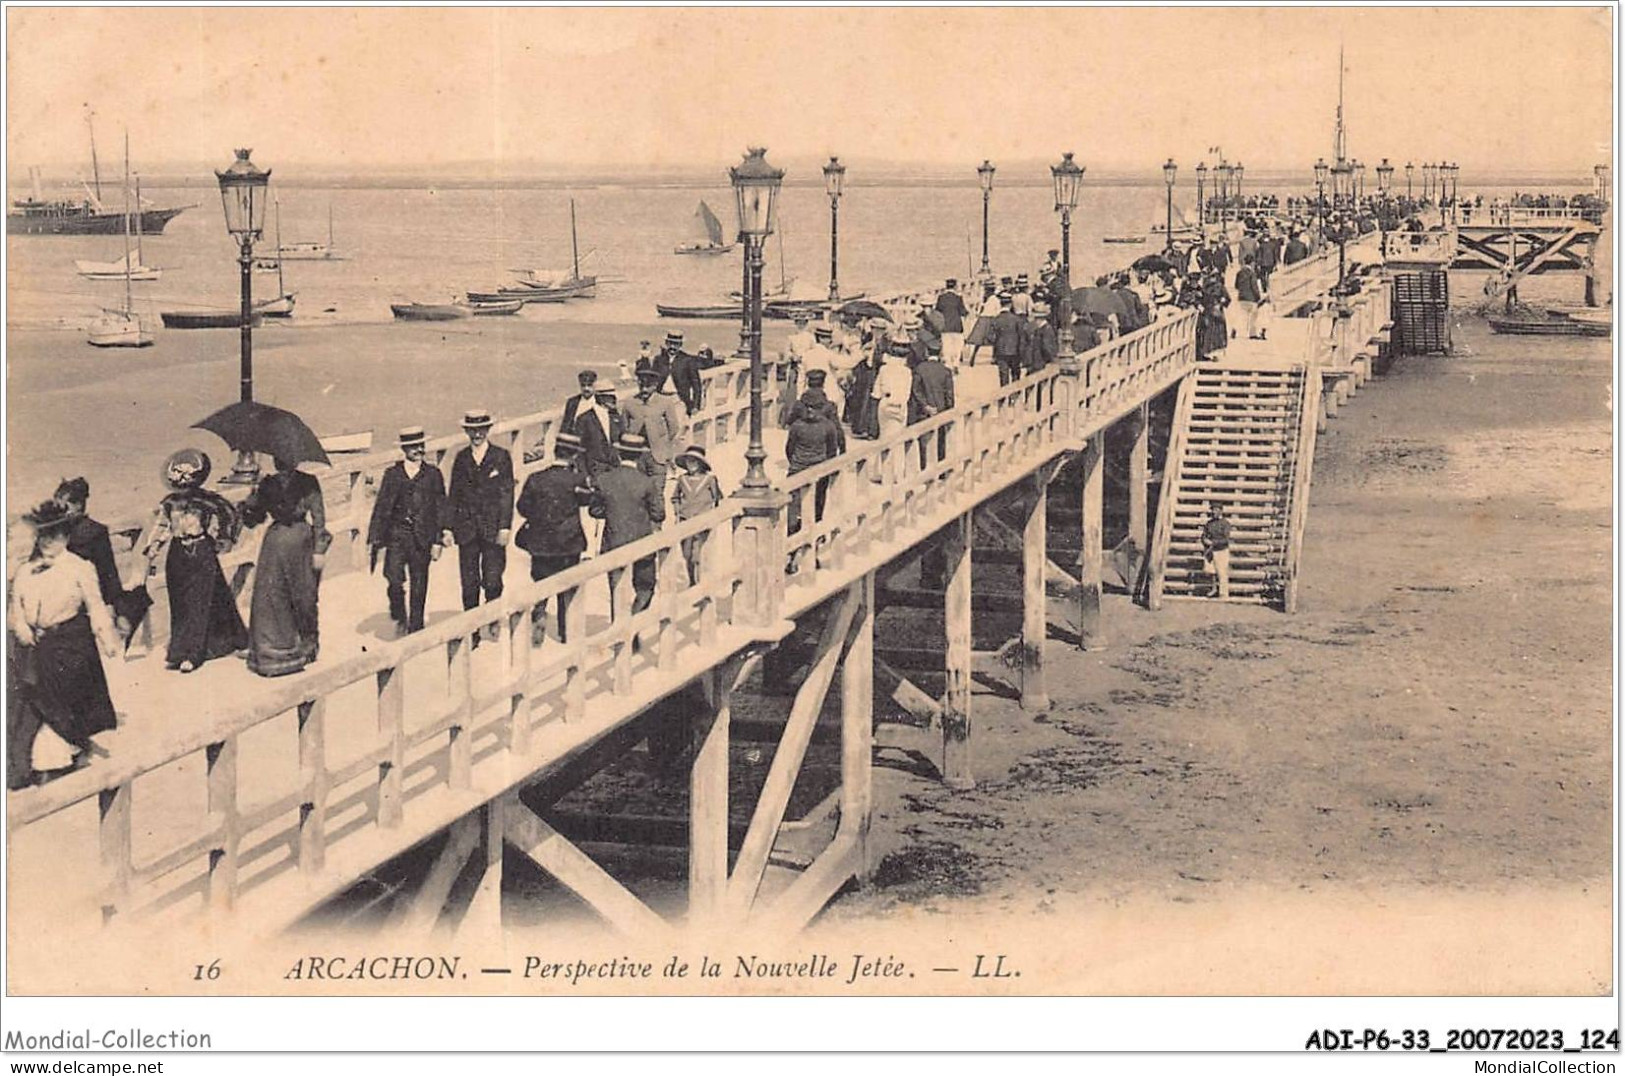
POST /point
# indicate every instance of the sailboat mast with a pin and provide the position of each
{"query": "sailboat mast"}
(575, 250)
(784, 282)
(277, 204)
(1340, 150)
(126, 223)
(95, 165)
(140, 258)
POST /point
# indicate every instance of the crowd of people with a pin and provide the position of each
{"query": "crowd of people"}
(619, 468)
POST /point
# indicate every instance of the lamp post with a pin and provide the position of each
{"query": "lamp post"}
(1600, 177)
(1359, 183)
(1385, 179)
(242, 197)
(1409, 169)
(984, 174)
(1201, 202)
(1170, 171)
(1427, 181)
(834, 185)
(1237, 171)
(756, 196)
(1067, 176)
(1320, 196)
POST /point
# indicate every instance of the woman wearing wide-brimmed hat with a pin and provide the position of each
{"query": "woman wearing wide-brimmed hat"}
(196, 525)
(282, 635)
(696, 493)
(58, 619)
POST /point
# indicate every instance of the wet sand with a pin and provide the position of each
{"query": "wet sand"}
(1429, 737)
(113, 416)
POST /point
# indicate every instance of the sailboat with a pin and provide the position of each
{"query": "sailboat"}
(707, 232)
(282, 305)
(304, 252)
(122, 328)
(555, 283)
(123, 269)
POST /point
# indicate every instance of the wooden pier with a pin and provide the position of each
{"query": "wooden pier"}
(282, 794)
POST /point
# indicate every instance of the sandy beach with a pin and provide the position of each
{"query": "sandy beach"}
(1430, 732)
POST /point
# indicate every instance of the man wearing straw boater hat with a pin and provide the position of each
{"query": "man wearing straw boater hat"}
(406, 524)
(550, 505)
(481, 511)
(632, 506)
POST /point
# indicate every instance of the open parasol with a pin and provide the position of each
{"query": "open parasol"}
(257, 427)
(863, 308)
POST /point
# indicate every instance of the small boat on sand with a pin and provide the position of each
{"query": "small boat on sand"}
(1123, 239)
(497, 309)
(515, 295)
(205, 319)
(430, 311)
(716, 311)
(1525, 322)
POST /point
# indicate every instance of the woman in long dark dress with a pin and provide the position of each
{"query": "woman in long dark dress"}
(58, 620)
(197, 526)
(1212, 331)
(282, 628)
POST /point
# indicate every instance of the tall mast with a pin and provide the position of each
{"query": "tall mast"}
(126, 222)
(277, 203)
(95, 166)
(1340, 149)
(575, 250)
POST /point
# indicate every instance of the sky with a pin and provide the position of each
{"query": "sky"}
(1509, 89)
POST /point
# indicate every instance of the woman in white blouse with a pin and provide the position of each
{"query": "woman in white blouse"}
(58, 618)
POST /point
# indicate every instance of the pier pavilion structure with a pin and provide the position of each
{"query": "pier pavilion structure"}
(251, 803)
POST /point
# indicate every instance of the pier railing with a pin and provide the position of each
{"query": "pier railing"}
(351, 486)
(1293, 285)
(1509, 215)
(395, 744)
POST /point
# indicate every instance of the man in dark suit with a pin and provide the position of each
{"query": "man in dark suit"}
(933, 393)
(481, 510)
(632, 506)
(598, 425)
(406, 522)
(552, 534)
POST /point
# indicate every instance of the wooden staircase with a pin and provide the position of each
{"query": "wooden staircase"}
(1243, 435)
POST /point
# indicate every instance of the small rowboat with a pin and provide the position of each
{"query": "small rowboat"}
(718, 311)
(519, 295)
(581, 289)
(1124, 239)
(1546, 325)
(499, 309)
(205, 319)
(430, 311)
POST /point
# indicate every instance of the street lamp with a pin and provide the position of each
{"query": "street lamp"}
(1600, 177)
(1201, 203)
(1170, 171)
(1409, 169)
(242, 197)
(984, 173)
(1427, 181)
(756, 195)
(1067, 176)
(1239, 170)
(1385, 180)
(1359, 182)
(834, 184)
(1320, 195)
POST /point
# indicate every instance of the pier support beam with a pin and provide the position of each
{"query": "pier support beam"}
(1139, 458)
(858, 730)
(708, 793)
(1091, 628)
(956, 758)
(1034, 565)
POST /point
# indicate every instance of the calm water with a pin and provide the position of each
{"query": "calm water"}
(113, 415)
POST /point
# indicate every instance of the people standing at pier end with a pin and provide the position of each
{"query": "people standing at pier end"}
(90, 539)
(659, 418)
(194, 527)
(480, 503)
(550, 504)
(283, 635)
(596, 425)
(407, 520)
(632, 507)
(58, 620)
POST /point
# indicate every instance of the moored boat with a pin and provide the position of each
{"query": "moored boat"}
(205, 319)
(707, 235)
(1123, 239)
(718, 311)
(119, 328)
(521, 295)
(429, 311)
(499, 309)
(117, 270)
(1545, 324)
(36, 215)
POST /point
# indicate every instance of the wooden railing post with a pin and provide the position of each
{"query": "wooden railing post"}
(460, 690)
(313, 779)
(1091, 629)
(221, 761)
(391, 728)
(759, 545)
(1034, 564)
(857, 730)
(113, 835)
